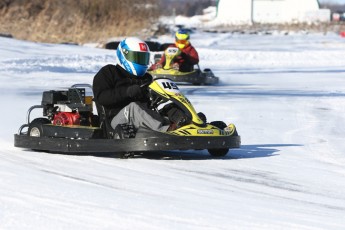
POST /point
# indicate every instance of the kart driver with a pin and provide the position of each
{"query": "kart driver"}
(188, 55)
(117, 88)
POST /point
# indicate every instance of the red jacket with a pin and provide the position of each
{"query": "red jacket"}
(186, 60)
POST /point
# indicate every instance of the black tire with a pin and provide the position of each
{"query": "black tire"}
(112, 45)
(36, 127)
(202, 116)
(164, 46)
(218, 152)
(153, 46)
(218, 124)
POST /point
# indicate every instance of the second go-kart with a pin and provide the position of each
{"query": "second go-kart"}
(195, 76)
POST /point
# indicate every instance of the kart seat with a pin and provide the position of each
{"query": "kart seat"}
(104, 122)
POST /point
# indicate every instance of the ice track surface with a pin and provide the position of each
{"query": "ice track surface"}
(286, 95)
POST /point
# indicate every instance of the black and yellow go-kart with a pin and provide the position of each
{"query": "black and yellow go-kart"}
(70, 125)
(195, 77)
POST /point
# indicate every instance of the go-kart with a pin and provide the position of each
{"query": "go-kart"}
(70, 125)
(195, 76)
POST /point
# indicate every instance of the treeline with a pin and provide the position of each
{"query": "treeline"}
(76, 20)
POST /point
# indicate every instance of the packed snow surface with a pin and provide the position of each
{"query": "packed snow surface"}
(285, 94)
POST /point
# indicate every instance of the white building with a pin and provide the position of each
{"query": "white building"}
(270, 11)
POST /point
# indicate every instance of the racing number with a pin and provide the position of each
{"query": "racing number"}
(169, 85)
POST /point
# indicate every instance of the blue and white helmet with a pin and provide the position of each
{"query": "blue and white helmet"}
(133, 55)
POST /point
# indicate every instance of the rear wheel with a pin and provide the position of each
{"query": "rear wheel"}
(36, 127)
(218, 152)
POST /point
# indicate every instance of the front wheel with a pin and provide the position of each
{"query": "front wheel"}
(218, 152)
(36, 127)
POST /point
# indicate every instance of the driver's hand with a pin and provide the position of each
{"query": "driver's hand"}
(135, 92)
(175, 66)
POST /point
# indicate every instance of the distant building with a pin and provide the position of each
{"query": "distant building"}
(270, 11)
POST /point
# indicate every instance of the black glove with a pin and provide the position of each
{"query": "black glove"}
(135, 92)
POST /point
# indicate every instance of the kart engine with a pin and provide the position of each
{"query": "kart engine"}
(69, 107)
(66, 118)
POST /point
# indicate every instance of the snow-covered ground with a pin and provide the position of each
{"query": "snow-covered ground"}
(286, 94)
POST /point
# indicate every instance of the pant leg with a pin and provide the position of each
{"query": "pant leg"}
(138, 115)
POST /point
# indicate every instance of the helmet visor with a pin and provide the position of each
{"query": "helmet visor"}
(141, 58)
(184, 42)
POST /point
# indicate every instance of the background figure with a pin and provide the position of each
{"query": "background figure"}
(188, 56)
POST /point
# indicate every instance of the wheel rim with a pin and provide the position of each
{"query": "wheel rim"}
(35, 132)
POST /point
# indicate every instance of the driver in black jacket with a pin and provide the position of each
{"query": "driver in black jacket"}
(117, 88)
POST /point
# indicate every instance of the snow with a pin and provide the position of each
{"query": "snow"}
(233, 12)
(284, 93)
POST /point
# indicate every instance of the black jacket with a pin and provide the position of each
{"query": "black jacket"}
(110, 87)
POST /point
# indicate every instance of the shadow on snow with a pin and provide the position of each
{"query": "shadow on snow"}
(245, 152)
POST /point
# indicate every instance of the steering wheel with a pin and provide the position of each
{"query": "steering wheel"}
(145, 84)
